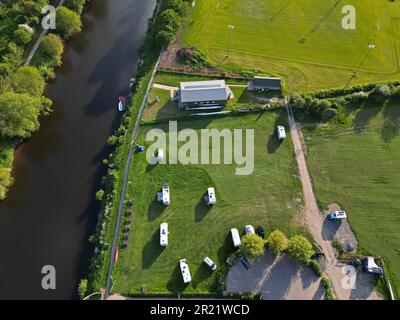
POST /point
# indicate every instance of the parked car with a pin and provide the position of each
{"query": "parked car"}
(280, 131)
(210, 263)
(249, 229)
(369, 266)
(260, 232)
(337, 215)
(355, 263)
(245, 262)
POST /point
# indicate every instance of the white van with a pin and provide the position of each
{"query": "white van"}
(210, 263)
(164, 234)
(235, 237)
(185, 271)
(249, 229)
(280, 131)
(210, 197)
(336, 215)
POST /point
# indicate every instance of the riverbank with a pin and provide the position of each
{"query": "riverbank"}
(42, 67)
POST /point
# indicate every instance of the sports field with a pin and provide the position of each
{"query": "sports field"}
(358, 166)
(270, 197)
(300, 40)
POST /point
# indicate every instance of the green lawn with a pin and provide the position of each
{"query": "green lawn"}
(358, 166)
(300, 40)
(271, 197)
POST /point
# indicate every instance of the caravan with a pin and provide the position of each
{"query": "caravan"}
(164, 234)
(164, 195)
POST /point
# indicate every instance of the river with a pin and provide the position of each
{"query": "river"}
(50, 211)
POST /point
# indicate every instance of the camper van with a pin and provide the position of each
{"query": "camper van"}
(210, 197)
(280, 131)
(235, 237)
(185, 271)
(210, 263)
(249, 229)
(164, 234)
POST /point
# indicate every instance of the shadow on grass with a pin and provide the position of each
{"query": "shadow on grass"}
(201, 210)
(273, 143)
(150, 167)
(175, 283)
(202, 273)
(391, 124)
(156, 208)
(363, 116)
(226, 249)
(152, 250)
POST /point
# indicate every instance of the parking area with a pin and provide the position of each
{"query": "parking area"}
(277, 278)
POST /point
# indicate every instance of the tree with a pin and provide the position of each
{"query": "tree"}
(164, 38)
(75, 5)
(68, 22)
(169, 20)
(19, 114)
(5, 181)
(82, 288)
(51, 49)
(252, 246)
(177, 5)
(27, 80)
(277, 241)
(22, 37)
(300, 249)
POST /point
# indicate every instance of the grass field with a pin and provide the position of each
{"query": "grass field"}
(300, 40)
(271, 197)
(358, 166)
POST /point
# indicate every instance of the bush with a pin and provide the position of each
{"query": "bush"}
(82, 289)
(329, 294)
(164, 38)
(314, 265)
(178, 6)
(300, 249)
(252, 246)
(22, 37)
(381, 92)
(277, 241)
(99, 195)
(75, 5)
(68, 22)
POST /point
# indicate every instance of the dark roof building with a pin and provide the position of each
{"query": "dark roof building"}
(203, 94)
(262, 83)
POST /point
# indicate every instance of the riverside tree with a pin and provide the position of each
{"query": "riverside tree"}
(27, 80)
(50, 50)
(19, 114)
(68, 22)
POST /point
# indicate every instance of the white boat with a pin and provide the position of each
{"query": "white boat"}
(121, 103)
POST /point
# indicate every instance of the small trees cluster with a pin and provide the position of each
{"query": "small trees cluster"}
(252, 246)
(168, 21)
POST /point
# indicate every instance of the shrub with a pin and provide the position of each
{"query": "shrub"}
(252, 246)
(99, 195)
(22, 37)
(75, 5)
(277, 241)
(300, 249)
(82, 289)
(314, 265)
(329, 294)
(164, 38)
(178, 6)
(380, 92)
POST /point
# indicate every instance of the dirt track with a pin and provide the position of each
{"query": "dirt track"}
(315, 220)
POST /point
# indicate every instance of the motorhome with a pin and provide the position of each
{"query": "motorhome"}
(210, 197)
